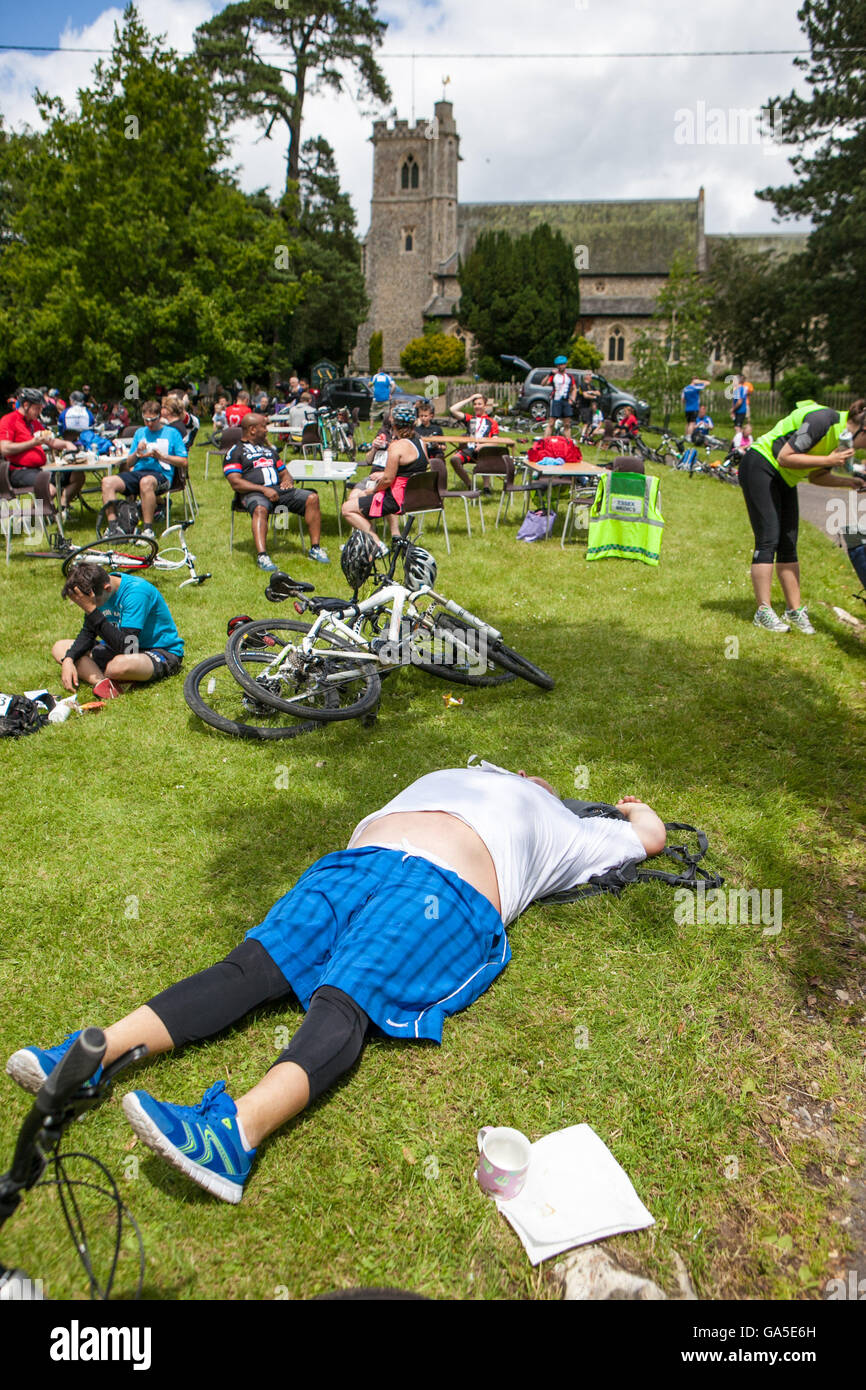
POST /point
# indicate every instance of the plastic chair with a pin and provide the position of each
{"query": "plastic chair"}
(422, 498)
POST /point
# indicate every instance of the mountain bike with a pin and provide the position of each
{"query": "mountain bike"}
(350, 645)
(212, 693)
(134, 553)
(64, 1095)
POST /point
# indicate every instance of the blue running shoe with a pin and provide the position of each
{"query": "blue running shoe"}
(202, 1141)
(32, 1065)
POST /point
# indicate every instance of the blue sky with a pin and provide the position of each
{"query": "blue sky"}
(533, 129)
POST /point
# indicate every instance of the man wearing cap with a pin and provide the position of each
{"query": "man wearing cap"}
(393, 934)
(562, 393)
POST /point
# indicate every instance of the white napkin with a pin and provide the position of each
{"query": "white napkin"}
(575, 1193)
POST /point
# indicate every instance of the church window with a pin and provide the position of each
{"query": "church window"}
(616, 346)
(408, 235)
(410, 173)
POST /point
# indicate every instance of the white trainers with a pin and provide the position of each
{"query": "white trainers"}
(265, 562)
(799, 618)
(766, 618)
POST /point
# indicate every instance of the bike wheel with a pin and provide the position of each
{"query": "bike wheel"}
(212, 693)
(512, 661)
(303, 684)
(128, 553)
(458, 653)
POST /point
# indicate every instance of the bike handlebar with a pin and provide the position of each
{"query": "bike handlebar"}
(80, 1062)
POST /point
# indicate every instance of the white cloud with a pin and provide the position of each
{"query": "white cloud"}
(531, 127)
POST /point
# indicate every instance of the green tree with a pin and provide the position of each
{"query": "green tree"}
(321, 40)
(584, 354)
(762, 308)
(132, 260)
(334, 303)
(828, 130)
(436, 354)
(520, 294)
(675, 347)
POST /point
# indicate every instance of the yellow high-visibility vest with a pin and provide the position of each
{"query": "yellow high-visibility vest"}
(625, 521)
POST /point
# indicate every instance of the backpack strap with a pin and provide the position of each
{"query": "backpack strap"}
(615, 880)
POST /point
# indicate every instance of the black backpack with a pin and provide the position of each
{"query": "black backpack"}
(615, 880)
(19, 715)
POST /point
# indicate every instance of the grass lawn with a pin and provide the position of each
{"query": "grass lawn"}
(723, 1067)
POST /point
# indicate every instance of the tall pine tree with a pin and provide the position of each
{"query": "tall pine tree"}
(520, 294)
(829, 129)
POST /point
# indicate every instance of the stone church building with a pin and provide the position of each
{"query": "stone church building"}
(419, 231)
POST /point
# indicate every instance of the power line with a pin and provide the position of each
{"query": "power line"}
(453, 57)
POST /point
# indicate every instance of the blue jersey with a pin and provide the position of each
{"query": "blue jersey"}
(138, 605)
(172, 444)
(692, 397)
(381, 384)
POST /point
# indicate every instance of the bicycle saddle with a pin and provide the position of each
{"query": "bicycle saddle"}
(328, 605)
(282, 586)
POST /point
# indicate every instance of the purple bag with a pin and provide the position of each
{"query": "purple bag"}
(536, 526)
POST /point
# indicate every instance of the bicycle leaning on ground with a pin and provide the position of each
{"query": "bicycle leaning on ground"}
(350, 646)
(135, 553)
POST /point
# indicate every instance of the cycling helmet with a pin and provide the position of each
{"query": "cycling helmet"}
(358, 558)
(403, 415)
(419, 567)
(237, 622)
(29, 395)
(560, 361)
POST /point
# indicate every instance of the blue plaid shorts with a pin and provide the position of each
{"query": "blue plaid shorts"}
(409, 941)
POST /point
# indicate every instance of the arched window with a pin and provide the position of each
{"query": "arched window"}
(407, 245)
(616, 346)
(408, 235)
(410, 173)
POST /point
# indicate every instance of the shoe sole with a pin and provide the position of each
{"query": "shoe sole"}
(154, 1138)
(26, 1070)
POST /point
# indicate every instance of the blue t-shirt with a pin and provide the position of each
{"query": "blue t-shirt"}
(381, 384)
(173, 445)
(137, 604)
(692, 397)
(741, 399)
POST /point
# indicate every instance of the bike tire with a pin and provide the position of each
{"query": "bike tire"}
(230, 698)
(358, 695)
(127, 553)
(513, 661)
(463, 670)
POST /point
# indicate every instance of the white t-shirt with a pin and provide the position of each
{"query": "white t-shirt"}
(537, 845)
(561, 383)
(300, 415)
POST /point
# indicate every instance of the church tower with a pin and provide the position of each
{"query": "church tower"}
(410, 250)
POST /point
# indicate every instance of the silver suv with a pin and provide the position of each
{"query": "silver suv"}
(613, 401)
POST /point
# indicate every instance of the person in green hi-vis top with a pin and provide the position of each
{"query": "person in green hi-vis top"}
(807, 445)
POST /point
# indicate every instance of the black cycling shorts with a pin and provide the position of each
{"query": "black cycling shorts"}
(773, 508)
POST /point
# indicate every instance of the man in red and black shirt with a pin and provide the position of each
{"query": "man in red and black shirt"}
(23, 443)
(481, 426)
(263, 484)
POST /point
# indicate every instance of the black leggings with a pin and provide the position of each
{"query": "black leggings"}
(328, 1042)
(773, 510)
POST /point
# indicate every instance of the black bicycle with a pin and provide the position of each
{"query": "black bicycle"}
(63, 1096)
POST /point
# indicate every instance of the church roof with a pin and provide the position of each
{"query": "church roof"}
(622, 236)
(780, 244)
(438, 308)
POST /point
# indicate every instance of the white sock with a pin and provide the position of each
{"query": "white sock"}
(242, 1135)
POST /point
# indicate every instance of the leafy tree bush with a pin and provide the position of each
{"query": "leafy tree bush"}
(800, 384)
(438, 354)
(584, 354)
(488, 368)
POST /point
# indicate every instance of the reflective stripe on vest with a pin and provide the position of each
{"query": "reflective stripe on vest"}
(625, 521)
(789, 426)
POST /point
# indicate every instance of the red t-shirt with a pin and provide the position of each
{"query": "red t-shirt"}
(18, 430)
(235, 413)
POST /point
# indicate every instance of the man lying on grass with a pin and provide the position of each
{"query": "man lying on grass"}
(395, 933)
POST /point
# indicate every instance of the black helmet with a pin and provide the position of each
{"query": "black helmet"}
(29, 395)
(419, 567)
(359, 558)
(403, 415)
